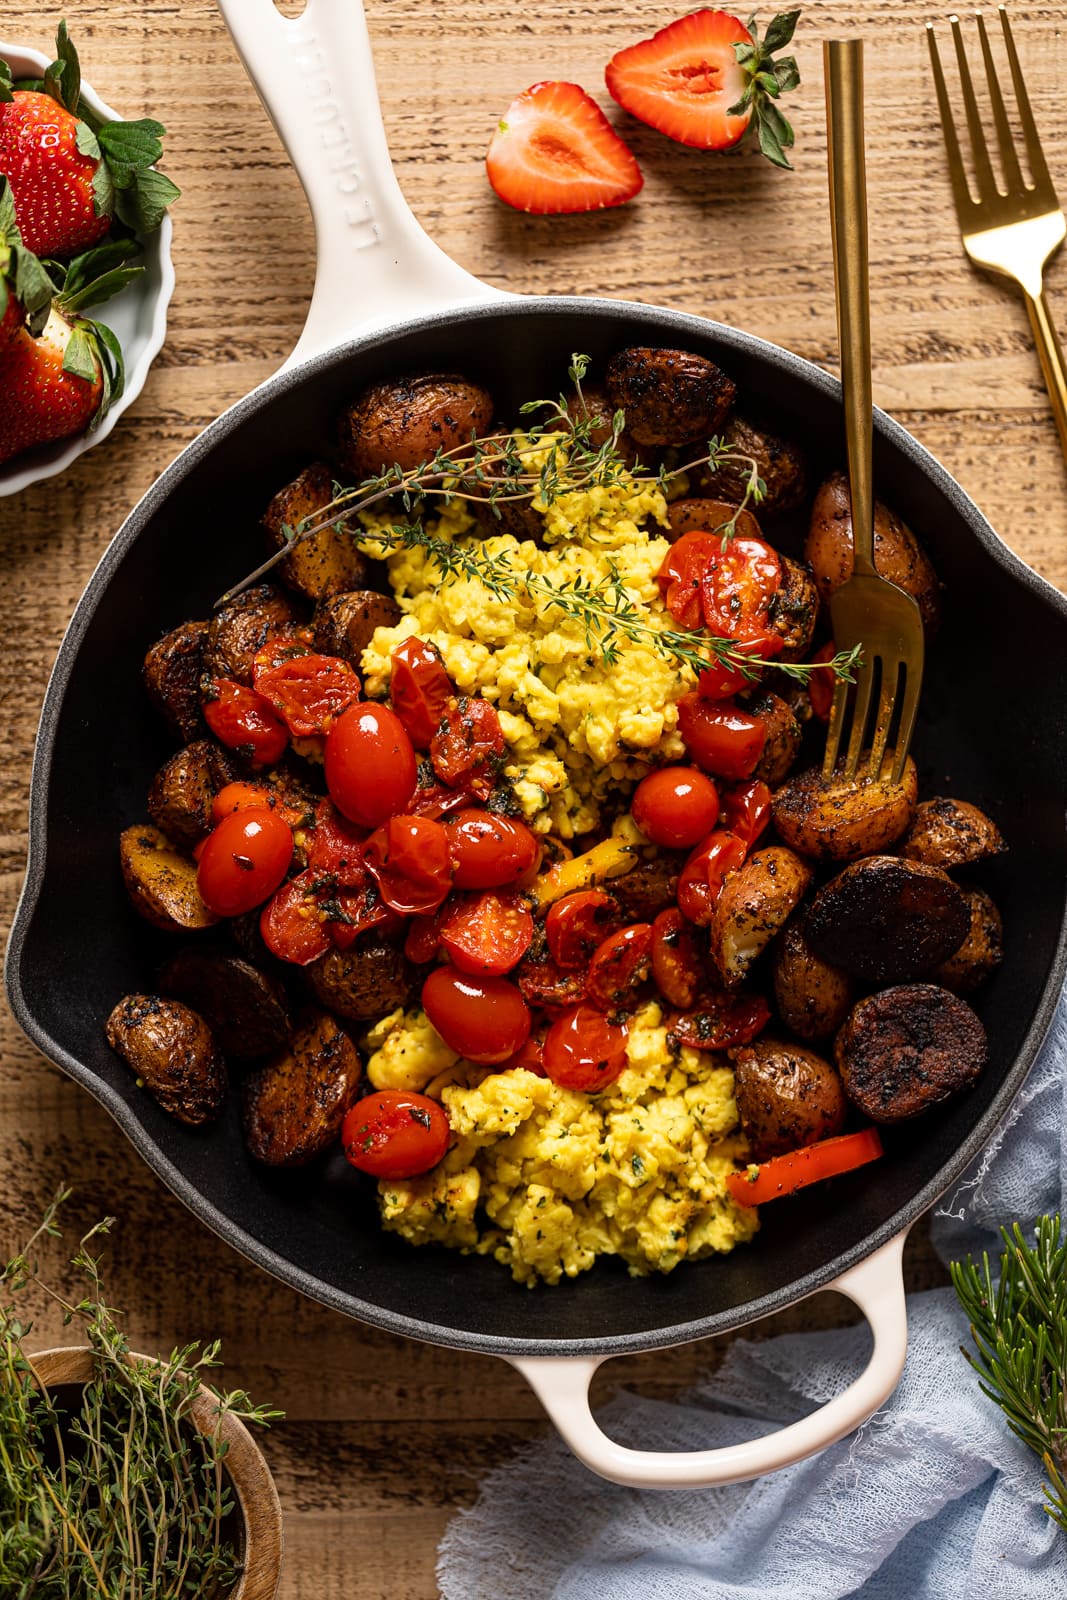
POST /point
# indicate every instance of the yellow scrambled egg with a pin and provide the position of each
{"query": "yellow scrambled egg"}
(577, 727)
(546, 1179)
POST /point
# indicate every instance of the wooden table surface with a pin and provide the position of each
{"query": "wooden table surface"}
(384, 1439)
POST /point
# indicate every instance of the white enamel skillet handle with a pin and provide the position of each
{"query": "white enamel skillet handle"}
(375, 267)
(876, 1285)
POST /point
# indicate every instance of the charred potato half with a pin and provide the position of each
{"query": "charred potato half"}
(898, 555)
(668, 395)
(345, 624)
(405, 422)
(240, 629)
(756, 901)
(782, 744)
(794, 610)
(363, 982)
(842, 819)
(295, 1103)
(885, 920)
(161, 882)
(174, 1054)
(950, 833)
(179, 801)
(248, 1011)
(322, 563)
(813, 997)
(172, 671)
(908, 1048)
(787, 1096)
(981, 952)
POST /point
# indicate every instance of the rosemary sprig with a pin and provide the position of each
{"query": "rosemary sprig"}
(1019, 1327)
(122, 1499)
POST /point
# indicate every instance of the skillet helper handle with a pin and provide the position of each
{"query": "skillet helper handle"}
(562, 1383)
(376, 266)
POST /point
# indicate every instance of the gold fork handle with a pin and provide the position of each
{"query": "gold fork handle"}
(843, 68)
(1050, 354)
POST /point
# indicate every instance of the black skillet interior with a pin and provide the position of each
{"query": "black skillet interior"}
(77, 946)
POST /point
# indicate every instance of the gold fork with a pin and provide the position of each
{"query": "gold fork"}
(867, 611)
(1013, 233)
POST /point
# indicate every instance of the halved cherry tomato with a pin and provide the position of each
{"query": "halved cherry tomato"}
(309, 692)
(720, 1020)
(409, 860)
(352, 911)
(243, 861)
(530, 1058)
(721, 738)
(467, 745)
(485, 1019)
(290, 640)
(583, 1050)
(821, 684)
(488, 932)
(675, 807)
(292, 922)
(681, 575)
(578, 924)
(737, 587)
(701, 879)
(783, 1175)
(244, 721)
(489, 852)
(746, 810)
(422, 943)
(334, 846)
(677, 968)
(720, 680)
(370, 764)
(395, 1134)
(437, 800)
(542, 983)
(419, 689)
(242, 796)
(619, 967)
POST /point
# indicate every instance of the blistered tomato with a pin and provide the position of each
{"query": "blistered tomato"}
(675, 807)
(484, 1019)
(243, 861)
(370, 764)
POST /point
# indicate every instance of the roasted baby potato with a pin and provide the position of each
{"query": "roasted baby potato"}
(887, 920)
(242, 627)
(779, 463)
(707, 516)
(908, 1048)
(179, 801)
(668, 395)
(898, 555)
(173, 1052)
(172, 671)
(842, 820)
(405, 422)
(794, 610)
(325, 562)
(365, 981)
(295, 1103)
(648, 888)
(813, 998)
(756, 901)
(248, 1011)
(161, 882)
(981, 952)
(344, 624)
(784, 734)
(950, 833)
(787, 1096)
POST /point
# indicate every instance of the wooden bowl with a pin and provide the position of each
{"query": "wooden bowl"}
(260, 1535)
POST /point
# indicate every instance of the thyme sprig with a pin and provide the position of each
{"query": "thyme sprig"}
(1019, 1327)
(121, 1498)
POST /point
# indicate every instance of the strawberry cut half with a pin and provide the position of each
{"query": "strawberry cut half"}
(554, 151)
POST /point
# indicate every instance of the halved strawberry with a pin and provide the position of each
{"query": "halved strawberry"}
(707, 78)
(555, 151)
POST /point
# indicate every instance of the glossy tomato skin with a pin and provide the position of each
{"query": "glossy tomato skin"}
(355, 910)
(821, 684)
(371, 770)
(419, 689)
(619, 968)
(721, 738)
(244, 859)
(720, 1020)
(485, 1019)
(292, 924)
(720, 680)
(681, 576)
(334, 846)
(529, 1058)
(577, 925)
(489, 852)
(487, 933)
(701, 878)
(244, 721)
(737, 587)
(395, 1134)
(308, 691)
(410, 862)
(678, 968)
(675, 807)
(583, 1050)
(543, 983)
(746, 810)
(467, 746)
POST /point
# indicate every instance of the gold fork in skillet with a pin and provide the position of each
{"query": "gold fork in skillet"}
(867, 611)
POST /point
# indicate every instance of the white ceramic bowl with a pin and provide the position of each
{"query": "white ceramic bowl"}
(138, 316)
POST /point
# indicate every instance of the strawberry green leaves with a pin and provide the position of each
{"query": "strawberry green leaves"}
(125, 183)
(21, 273)
(6, 83)
(63, 79)
(766, 79)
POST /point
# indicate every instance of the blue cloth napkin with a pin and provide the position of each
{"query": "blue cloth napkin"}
(933, 1497)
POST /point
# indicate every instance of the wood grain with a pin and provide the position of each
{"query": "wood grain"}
(383, 1438)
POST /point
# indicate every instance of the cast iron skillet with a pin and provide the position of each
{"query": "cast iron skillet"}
(76, 947)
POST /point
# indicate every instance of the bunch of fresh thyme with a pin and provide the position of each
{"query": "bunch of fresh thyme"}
(496, 470)
(120, 1498)
(1019, 1327)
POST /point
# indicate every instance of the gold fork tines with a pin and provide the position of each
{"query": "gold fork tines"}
(1014, 229)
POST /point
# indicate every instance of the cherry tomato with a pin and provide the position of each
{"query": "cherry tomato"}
(352, 911)
(737, 587)
(487, 933)
(309, 692)
(489, 852)
(719, 680)
(291, 640)
(746, 810)
(256, 797)
(542, 983)
(722, 739)
(619, 968)
(423, 941)
(243, 720)
(410, 863)
(821, 684)
(720, 1020)
(583, 1050)
(243, 861)
(370, 764)
(485, 1019)
(292, 923)
(419, 689)
(578, 924)
(529, 1058)
(675, 807)
(682, 573)
(395, 1134)
(701, 879)
(335, 848)
(437, 800)
(466, 747)
(676, 961)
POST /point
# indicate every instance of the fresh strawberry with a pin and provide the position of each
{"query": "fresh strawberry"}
(555, 151)
(25, 287)
(707, 78)
(71, 175)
